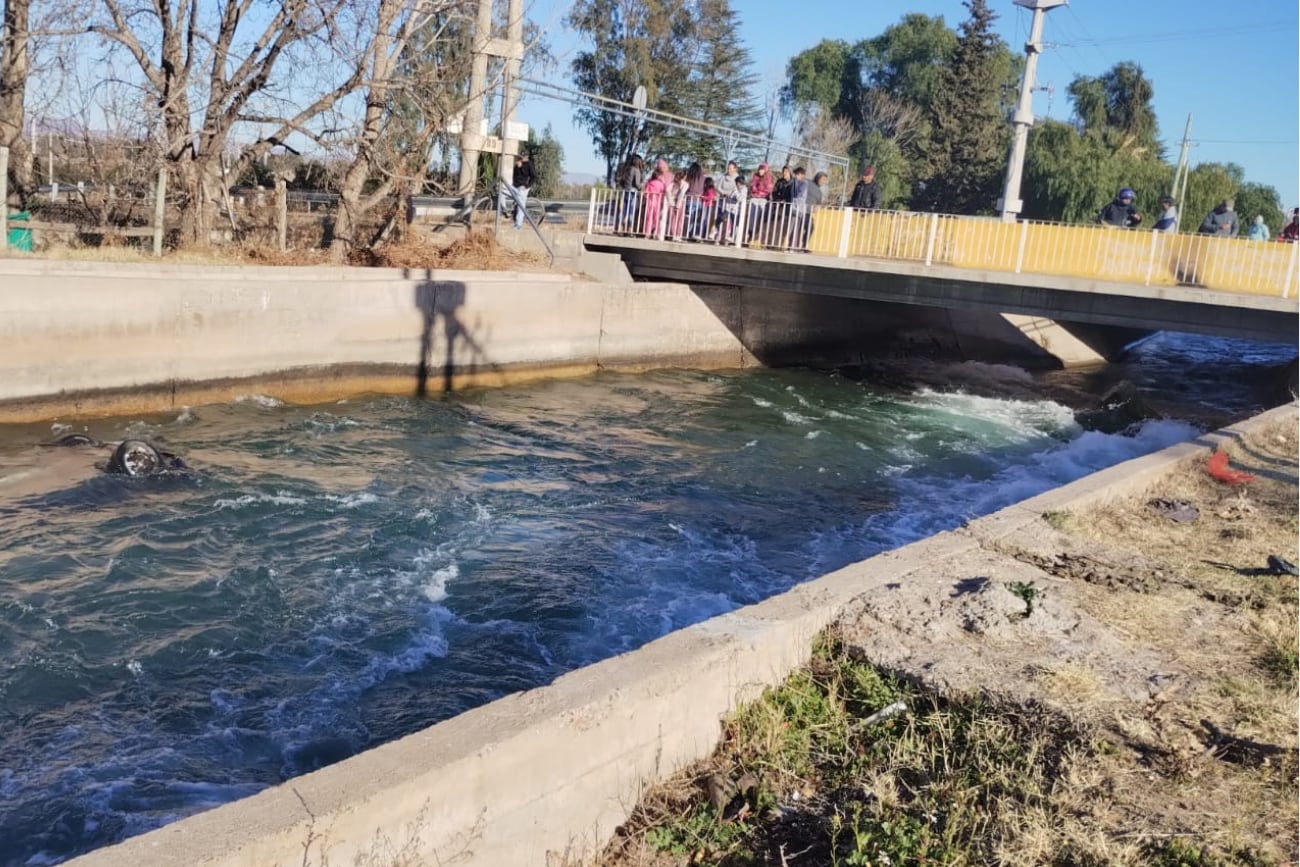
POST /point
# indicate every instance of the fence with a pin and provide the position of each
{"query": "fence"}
(1029, 246)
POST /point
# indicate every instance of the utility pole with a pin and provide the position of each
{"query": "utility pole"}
(471, 135)
(1023, 117)
(1181, 173)
(510, 98)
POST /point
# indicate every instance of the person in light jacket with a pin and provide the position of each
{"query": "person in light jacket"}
(1258, 231)
(1168, 220)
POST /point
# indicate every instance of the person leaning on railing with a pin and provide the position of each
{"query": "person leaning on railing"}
(1120, 213)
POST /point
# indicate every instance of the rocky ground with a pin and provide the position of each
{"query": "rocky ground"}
(1114, 685)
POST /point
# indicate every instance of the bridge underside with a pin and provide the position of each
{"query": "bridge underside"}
(1088, 315)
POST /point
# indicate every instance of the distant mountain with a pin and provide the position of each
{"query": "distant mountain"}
(580, 179)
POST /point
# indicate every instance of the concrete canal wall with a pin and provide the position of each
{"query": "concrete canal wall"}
(89, 338)
(542, 778)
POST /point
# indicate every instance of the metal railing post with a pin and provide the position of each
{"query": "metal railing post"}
(661, 230)
(1024, 236)
(1290, 268)
(844, 232)
(591, 212)
(742, 211)
(933, 236)
(1151, 258)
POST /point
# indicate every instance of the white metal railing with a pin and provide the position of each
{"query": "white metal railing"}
(1028, 246)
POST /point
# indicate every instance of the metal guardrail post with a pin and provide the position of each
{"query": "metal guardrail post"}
(159, 210)
(742, 211)
(933, 236)
(1151, 258)
(844, 232)
(591, 212)
(1290, 268)
(1024, 236)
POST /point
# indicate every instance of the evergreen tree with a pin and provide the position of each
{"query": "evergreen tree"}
(719, 88)
(1116, 107)
(548, 162)
(969, 135)
(634, 43)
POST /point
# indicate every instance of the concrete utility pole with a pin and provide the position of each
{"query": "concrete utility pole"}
(1180, 174)
(510, 99)
(471, 136)
(1023, 117)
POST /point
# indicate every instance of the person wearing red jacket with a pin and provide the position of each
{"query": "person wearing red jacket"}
(760, 190)
(1291, 231)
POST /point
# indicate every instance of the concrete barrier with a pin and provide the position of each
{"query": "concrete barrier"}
(82, 338)
(544, 777)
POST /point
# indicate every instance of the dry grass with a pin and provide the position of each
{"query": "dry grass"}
(477, 251)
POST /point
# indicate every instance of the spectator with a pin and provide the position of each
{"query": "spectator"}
(677, 198)
(1291, 231)
(1168, 221)
(866, 195)
(1221, 222)
(760, 189)
(799, 208)
(631, 179)
(654, 201)
(1120, 212)
(1258, 231)
(815, 198)
(522, 179)
(726, 186)
(696, 218)
(778, 217)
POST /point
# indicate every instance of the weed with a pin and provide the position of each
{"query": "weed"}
(1281, 662)
(1028, 592)
(1057, 520)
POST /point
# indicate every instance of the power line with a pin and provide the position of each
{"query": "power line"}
(1146, 38)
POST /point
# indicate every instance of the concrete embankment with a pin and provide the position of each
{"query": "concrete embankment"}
(543, 777)
(87, 338)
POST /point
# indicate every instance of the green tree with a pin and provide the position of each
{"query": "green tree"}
(1263, 200)
(641, 43)
(969, 134)
(1069, 176)
(719, 87)
(548, 161)
(1116, 106)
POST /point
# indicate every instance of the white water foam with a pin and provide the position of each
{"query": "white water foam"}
(262, 400)
(279, 498)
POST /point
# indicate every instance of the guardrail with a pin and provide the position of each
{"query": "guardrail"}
(977, 243)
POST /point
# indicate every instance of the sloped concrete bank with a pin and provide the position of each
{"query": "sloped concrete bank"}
(89, 338)
(544, 777)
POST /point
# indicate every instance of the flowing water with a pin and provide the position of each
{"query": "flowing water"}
(328, 578)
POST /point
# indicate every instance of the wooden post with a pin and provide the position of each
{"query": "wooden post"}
(159, 211)
(4, 198)
(282, 214)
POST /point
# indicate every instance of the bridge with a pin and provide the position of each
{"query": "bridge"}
(1103, 286)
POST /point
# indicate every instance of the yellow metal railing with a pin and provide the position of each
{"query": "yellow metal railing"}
(982, 244)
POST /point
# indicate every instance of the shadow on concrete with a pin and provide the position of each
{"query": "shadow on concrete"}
(441, 301)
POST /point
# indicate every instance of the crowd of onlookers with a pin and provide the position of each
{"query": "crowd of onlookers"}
(1220, 222)
(769, 208)
(775, 209)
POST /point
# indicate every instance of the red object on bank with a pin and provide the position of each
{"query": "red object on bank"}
(1217, 466)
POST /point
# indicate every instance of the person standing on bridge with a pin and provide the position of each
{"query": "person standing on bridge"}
(1221, 222)
(654, 203)
(1258, 231)
(726, 187)
(631, 177)
(799, 209)
(760, 190)
(1120, 213)
(1168, 221)
(696, 219)
(866, 195)
(778, 213)
(1291, 231)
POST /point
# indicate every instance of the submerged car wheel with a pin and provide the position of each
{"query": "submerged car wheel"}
(135, 458)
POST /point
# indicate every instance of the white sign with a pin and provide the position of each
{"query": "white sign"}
(516, 131)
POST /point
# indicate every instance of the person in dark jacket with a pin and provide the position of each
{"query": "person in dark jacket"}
(1120, 212)
(1221, 222)
(866, 195)
(522, 180)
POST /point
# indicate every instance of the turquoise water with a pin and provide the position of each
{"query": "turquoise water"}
(331, 577)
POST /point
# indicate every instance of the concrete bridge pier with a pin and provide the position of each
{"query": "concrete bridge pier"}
(1075, 344)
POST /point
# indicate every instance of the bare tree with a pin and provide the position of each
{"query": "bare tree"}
(892, 118)
(209, 66)
(15, 65)
(831, 135)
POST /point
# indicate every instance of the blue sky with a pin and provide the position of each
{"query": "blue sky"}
(1234, 66)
